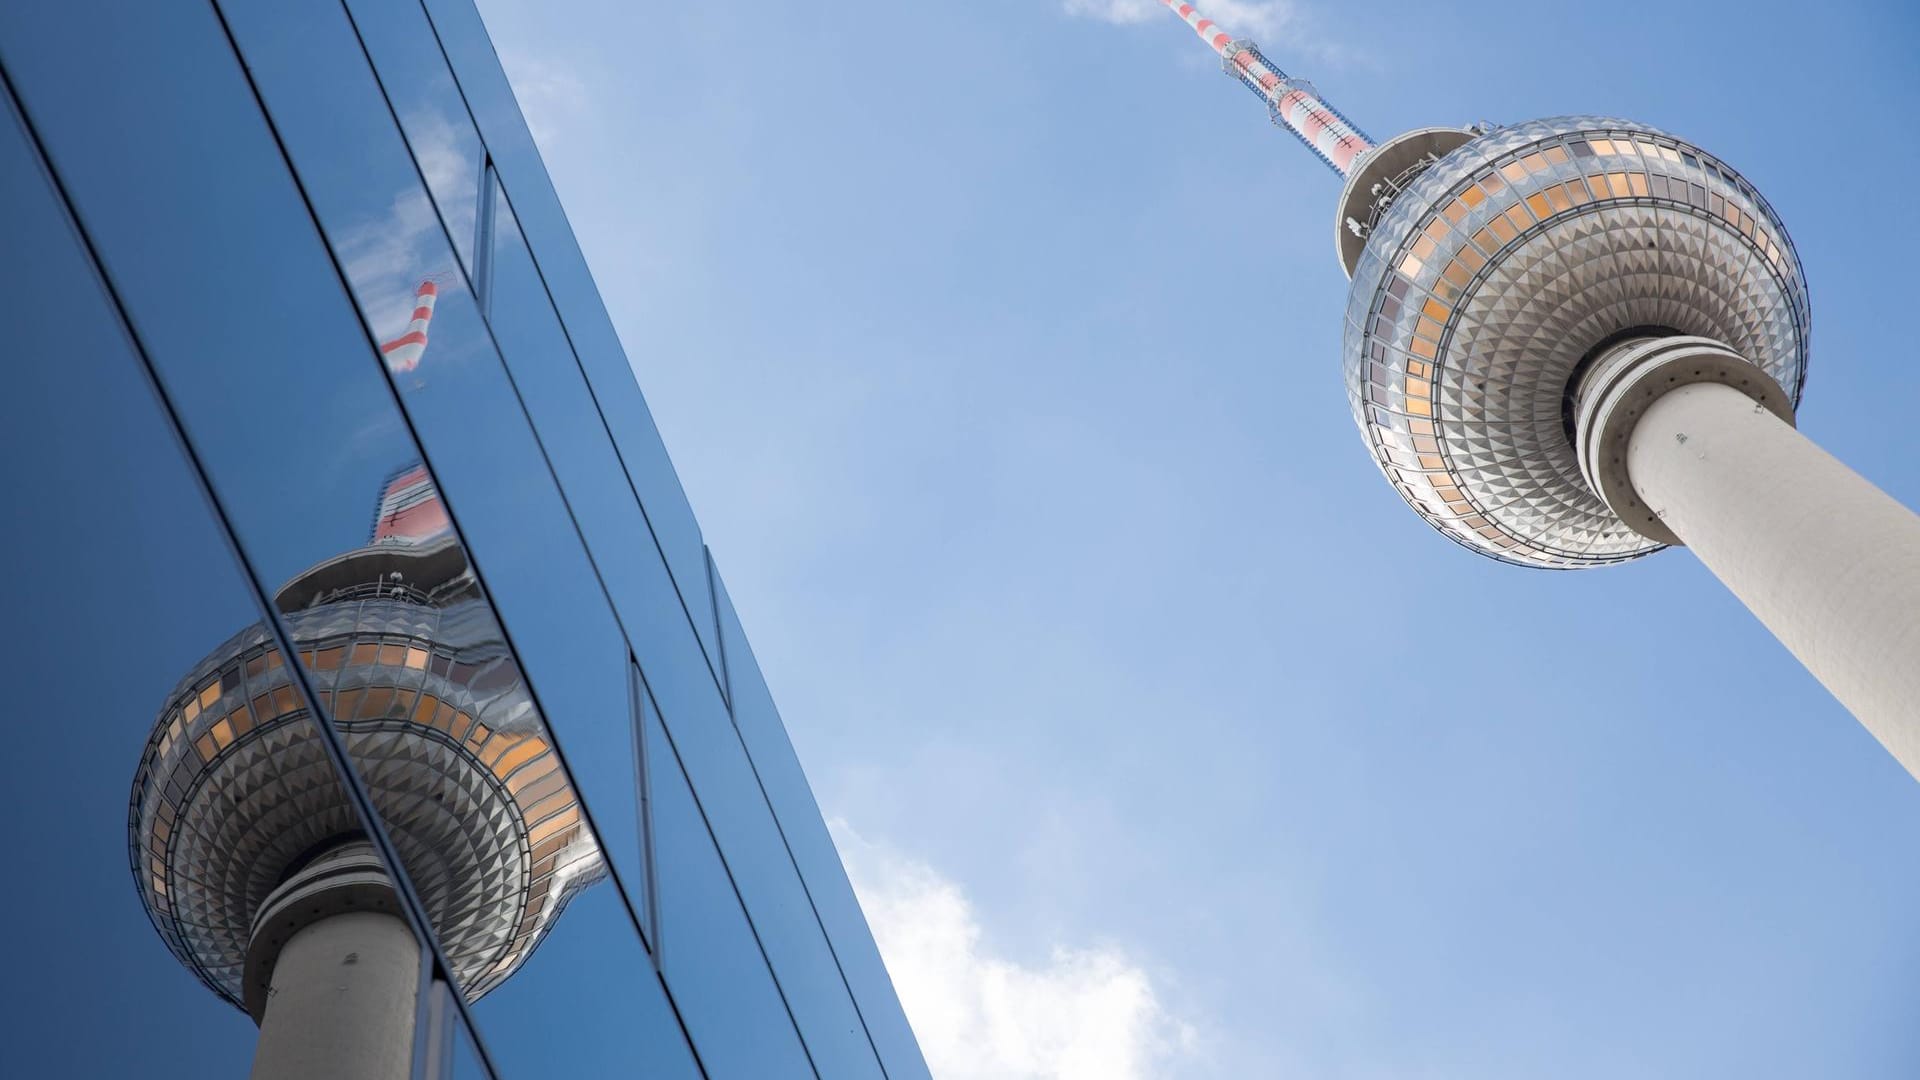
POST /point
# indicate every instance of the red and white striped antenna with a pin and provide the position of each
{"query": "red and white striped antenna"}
(1293, 103)
(403, 353)
(410, 512)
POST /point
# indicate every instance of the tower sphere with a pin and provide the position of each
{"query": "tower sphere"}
(236, 797)
(1493, 267)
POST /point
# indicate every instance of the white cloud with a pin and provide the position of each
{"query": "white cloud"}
(387, 256)
(1242, 18)
(1086, 1013)
(449, 163)
(550, 96)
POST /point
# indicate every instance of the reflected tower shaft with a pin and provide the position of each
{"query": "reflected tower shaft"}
(251, 855)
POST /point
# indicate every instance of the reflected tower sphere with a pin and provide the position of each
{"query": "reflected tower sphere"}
(1572, 342)
(243, 838)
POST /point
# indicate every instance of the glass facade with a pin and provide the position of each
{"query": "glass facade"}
(352, 569)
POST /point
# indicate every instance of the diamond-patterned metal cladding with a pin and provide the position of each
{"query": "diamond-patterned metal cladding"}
(1495, 273)
(235, 790)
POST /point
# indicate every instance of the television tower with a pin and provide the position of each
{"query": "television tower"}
(248, 852)
(1574, 341)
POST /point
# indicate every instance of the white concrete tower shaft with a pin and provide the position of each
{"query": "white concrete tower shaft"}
(343, 1001)
(1690, 444)
(333, 973)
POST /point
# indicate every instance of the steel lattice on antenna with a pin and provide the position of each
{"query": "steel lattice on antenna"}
(1293, 103)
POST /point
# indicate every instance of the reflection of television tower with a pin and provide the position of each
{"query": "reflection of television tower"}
(249, 854)
(1571, 342)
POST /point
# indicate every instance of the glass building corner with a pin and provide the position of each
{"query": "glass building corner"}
(360, 612)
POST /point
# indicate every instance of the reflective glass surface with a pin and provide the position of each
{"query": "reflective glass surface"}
(447, 1049)
(708, 950)
(431, 112)
(577, 299)
(598, 495)
(172, 774)
(258, 349)
(441, 720)
(770, 888)
(446, 533)
(369, 579)
(466, 1063)
(589, 1004)
(755, 860)
(806, 837)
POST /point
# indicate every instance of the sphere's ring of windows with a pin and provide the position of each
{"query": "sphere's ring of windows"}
(1462, 222)
(509, 797)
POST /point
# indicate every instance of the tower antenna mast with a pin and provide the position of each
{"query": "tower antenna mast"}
(1293, 103)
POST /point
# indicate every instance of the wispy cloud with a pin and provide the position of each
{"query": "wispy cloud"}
(550, 96)
(448, 161)
(387, 255)
(1284, 28)
(1085, 1013)
(1253, 18)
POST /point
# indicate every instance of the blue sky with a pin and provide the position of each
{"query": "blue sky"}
(997, 345)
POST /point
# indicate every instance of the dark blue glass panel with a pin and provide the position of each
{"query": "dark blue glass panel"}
(749, 840)
(578, 300)
(597, 491)
(456, 1057)
(445, 1048)
(281, 393)
(375, 213)
(430, 110)
(125, 597)
(770, 888)
(174, 172)
(589, 1004)
(466, 1059)
(813, 851)
(708, 953)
